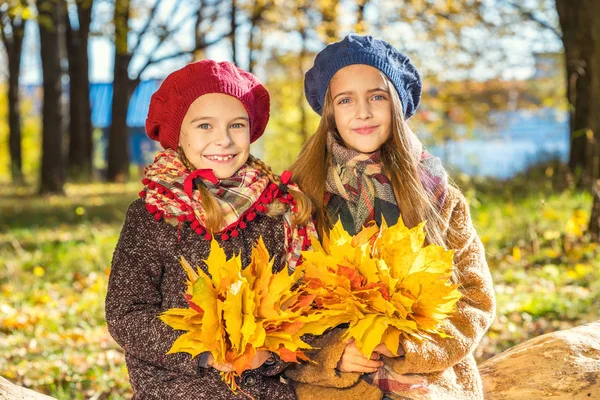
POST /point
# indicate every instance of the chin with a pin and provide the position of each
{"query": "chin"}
(366, 148)
(224, 173)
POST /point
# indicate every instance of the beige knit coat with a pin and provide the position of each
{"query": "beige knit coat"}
(447, 363)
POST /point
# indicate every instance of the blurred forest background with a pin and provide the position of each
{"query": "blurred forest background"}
(510, 90)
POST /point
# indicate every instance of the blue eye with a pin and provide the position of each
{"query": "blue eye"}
(378, 97)
(238, 125)
(344, 101)
(204, 126)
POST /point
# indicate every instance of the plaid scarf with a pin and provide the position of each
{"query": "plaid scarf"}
(234, 195)
(408, 386)
(170, 194)
(358, 191)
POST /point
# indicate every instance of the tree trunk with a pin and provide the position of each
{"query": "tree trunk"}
(52, 170)
(359, 27)
(118, 140)
(303, 119)
(12, 31)
(233, 28)
(329, 13)
(576, 22)
(80, 128)
(14, 114)
(562, 365)
(594, 224)
(251, 60)
(256, 16)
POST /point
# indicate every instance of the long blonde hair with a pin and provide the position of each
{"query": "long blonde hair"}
(214, 214)
(399, 165)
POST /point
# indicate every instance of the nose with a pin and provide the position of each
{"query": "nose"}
(223, 138)
(363, 110)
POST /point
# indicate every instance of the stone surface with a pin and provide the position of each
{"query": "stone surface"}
(10, 391)
(559, 365)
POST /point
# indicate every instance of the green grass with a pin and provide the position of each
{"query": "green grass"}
(55, 256)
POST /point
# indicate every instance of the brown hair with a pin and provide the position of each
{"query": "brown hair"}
(214, 214)
(415, 204)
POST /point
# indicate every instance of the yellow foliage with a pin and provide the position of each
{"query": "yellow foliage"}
(516, 253)
(385, 280)
(234, 312)
(577, 224)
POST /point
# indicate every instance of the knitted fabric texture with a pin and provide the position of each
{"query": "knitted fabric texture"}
(170, 193)
(357, 179)
(359, 192)
(171, 101)
(234, 195)
(356, 49)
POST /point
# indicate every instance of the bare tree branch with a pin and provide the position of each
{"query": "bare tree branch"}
(150, 60)
(145, 28)
(181, 53)
(529, 15)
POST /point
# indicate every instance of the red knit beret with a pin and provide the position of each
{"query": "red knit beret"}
(170, 102)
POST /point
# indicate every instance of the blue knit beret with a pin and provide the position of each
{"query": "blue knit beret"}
(356, 49)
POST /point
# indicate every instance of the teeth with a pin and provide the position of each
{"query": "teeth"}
(220, 158)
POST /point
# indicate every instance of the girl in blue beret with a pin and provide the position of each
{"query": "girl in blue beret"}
(364, 164)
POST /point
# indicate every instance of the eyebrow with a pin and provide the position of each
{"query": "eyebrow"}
(342, 94)
(368, 91)
(210, 118)
(199, 119)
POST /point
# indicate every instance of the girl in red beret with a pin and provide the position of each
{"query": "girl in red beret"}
(364, 164)
(204, 184)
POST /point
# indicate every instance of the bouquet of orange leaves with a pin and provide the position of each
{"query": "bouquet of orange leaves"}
(234, 312)
(386, 282)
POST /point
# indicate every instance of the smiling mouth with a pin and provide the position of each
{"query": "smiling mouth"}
(220, 158)
(365, 130)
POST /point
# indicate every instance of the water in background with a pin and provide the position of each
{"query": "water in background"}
(521, 138)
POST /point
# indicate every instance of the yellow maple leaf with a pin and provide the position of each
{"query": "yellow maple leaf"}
(183, 319)
(384, 282)
(233, 315)
(235, 312)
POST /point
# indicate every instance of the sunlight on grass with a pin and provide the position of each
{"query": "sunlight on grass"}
(55, 255)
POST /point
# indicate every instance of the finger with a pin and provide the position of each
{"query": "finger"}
(348, 341)
(351, 349)
(364, 362)
(357, 368)
(354, 352)
(223, 367)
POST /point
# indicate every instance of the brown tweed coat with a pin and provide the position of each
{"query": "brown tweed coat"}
(147, 279)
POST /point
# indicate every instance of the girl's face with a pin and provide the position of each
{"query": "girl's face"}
(362, 107)
(215, 134)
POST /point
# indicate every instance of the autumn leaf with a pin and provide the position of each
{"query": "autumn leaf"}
(235, 312)
(383, 282)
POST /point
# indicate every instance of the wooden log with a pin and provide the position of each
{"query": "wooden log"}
(10, 391)
(558, 365)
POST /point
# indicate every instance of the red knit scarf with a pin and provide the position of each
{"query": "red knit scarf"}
(170, 193)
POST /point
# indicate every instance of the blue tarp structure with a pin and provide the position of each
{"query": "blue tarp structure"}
(141, 148)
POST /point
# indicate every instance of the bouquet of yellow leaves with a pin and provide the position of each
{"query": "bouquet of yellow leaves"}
(386, 282)
(234, 312)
